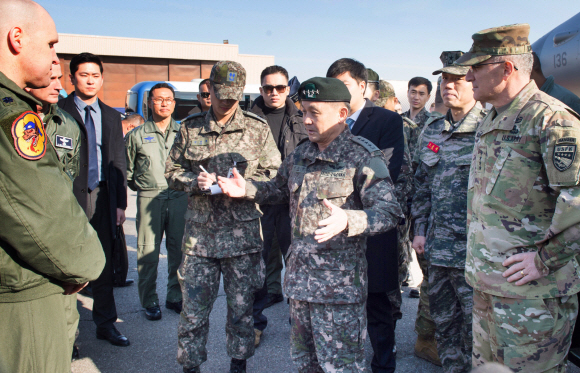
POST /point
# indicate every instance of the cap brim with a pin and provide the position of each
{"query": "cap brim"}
(470, 59)
(227, 92)
(453, 70)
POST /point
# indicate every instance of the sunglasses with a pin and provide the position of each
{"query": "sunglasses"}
(270, 88)
(204, 94)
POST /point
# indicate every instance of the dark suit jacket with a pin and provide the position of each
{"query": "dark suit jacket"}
(383, 128)
(113, 158)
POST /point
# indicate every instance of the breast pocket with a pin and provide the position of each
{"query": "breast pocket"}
(512, 178)
(198, 210)
(246, 163)
(335, 190)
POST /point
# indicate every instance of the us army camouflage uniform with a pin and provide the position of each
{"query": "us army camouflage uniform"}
(327, 282)
(523, 197)
(403, 190)
(439, 213)
(222, 235)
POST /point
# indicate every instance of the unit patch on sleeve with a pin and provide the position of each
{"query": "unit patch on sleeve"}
(29, 136)
(63, 142)
(564, 156)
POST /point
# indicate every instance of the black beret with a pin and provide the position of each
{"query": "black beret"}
(324, 89)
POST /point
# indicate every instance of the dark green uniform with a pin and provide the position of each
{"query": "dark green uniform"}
(46, 239)
(159, 209)
(65, 135)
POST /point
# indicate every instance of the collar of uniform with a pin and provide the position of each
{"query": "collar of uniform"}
(53, 112)
(236, 123)
(334, 152)
(81, 104)
(466, 124)
(506, 120)
(151, 127)
(12, 87)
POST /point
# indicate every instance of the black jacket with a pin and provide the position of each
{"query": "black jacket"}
(113, 158)
(292, 131)
(383, 128)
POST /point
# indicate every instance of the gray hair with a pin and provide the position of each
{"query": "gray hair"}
(523, 62)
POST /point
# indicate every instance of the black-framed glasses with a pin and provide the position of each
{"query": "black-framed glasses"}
(159, 100)
(204, 94)
(491, 63)
(270, 88)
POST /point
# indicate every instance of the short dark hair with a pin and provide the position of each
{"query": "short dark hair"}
(355, 68)
(418, 80)
(537, 64)
(205, 81)
(84, 58)
(274, 69)
(161, 85)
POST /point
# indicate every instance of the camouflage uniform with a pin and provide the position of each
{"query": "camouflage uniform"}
(222, 235)
(439, 213)
(523, 197)
(420, 120)
(327, 282)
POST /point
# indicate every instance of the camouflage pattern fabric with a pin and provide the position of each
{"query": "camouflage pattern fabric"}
(448, 58)
(534, 343)
(217, 226)
(415, 133)
(200, 279)
(351, 173)
(328, 338)
(440, 200)
(451, 301)
(228, 79)
(386, 91)
(523, 196)
(424, 324)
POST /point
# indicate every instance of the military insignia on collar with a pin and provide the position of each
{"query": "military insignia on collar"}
(7, 100)
(519, 119)
(149, 139)
(63, 142)
(515, 130)
(434, 148)
(29, 136)
(231, 77)
(564, 156)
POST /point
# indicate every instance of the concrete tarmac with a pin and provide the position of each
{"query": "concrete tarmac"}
(153, 346)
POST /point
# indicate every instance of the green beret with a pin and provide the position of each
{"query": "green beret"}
(373, 77)
(324, 89)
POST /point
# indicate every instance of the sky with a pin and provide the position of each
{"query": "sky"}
(399, 40)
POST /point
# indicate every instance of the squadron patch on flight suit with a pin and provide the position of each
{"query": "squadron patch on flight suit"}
(29, 136)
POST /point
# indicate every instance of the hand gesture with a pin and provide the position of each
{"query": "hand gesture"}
(234, 187)
(205, 180)
(333, 225)
(419, 244)
(523, 269)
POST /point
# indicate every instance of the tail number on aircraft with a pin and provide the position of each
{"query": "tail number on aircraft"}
(560, 59)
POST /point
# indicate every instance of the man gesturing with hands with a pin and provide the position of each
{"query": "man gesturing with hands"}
(340, 191)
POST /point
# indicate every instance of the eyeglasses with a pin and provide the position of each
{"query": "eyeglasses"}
(159, 101)
(270, 88)
(490, 63)
(204, 94)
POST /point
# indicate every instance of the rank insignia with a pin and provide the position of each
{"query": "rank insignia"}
(564, 156)
(434, 148)
(7, 100)
(29, 136)
(149, 139)
(63, 142)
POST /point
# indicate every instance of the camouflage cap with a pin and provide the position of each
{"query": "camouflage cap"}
(497, 41)
(386, 91)
(373, 77)
(448, 58)
(324, 89)
(228, 79)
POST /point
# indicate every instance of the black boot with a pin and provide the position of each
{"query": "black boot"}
(238, 366)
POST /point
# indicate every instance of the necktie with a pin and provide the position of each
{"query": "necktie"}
(92, 144)
(350, 123)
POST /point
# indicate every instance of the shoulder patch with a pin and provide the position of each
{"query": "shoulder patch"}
(195, 115)
(29, 136)
(365, 143)
(379, 167)
(409, 122)
(255, 116)
(434, 118)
